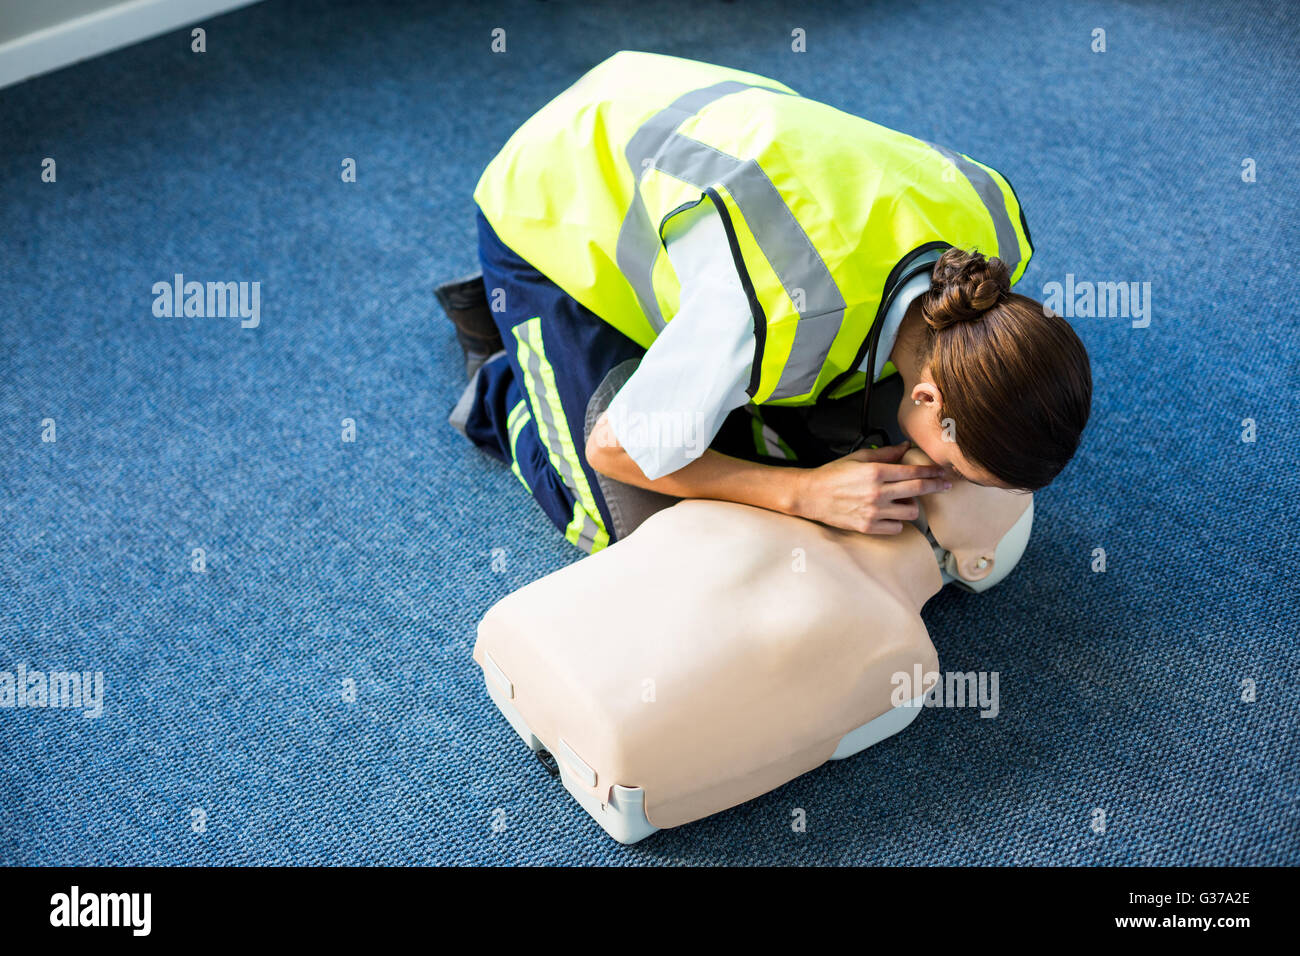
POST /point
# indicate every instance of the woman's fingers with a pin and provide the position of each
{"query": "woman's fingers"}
(869, 491)
(895, 473)
(913, 487)
(905, 510)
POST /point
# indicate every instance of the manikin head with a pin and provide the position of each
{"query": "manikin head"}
(981, 532)
(996, 388)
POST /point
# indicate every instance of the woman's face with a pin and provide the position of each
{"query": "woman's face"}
(937, 437)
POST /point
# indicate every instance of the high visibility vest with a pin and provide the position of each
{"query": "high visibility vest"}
(826, 213)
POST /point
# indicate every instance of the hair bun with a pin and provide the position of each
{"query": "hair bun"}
(963, 286)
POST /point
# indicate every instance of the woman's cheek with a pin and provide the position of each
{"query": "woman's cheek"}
(906, 423)
(935, 450)
(913, 427)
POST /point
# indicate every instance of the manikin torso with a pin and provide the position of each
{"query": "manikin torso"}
(721, 649)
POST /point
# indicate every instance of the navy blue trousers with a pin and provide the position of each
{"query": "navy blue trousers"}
(531, 403)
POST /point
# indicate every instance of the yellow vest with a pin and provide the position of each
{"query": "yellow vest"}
(826, 213)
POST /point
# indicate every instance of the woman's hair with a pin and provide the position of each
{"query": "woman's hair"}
(1014, 376)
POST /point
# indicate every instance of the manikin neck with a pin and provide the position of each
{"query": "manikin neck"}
(905, 563)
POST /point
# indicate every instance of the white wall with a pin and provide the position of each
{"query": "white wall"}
(20, 17)
(37, 36)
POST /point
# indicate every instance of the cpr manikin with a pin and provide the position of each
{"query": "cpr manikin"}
(722, 650)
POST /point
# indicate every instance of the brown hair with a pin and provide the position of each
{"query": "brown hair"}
(1014, 376)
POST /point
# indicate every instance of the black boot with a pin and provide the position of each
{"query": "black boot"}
(465, 302)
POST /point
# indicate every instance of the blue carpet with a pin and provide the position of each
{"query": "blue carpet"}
(226, 737)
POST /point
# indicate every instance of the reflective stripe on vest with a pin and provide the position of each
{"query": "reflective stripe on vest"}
(981, 180)
(820, 207)
(786, 246)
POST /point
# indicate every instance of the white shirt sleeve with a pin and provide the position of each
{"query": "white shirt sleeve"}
(697, 371)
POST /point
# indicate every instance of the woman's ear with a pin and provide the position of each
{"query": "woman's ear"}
(925, 392)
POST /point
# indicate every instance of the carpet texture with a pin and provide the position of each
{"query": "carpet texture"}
(309, 697)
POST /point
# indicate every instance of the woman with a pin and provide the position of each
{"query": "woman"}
(690, 271)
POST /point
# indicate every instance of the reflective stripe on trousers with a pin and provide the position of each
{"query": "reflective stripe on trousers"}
(515, 424)
(586, 530)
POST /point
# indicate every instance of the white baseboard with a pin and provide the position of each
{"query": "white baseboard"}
(96, 33)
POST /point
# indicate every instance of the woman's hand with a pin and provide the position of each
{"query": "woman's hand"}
(866, 491)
